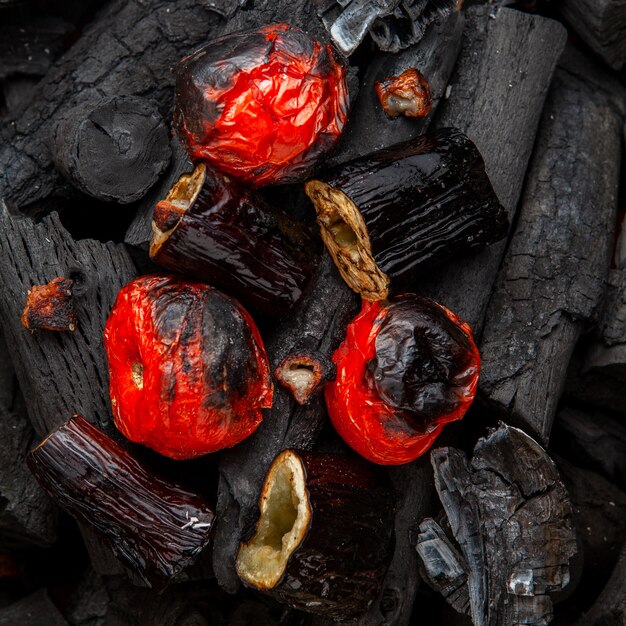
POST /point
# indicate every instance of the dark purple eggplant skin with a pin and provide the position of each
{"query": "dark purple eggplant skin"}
(339, 567)
(423, 201)
(235, 241)
(420, 354)
(155, 528)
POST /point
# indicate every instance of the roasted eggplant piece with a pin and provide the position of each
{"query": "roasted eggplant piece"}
(324, 538)
(156, 528)
(405, 209)
(212, 229)
(50, 307)
(406, 368)
(304, 373)
(407, 94)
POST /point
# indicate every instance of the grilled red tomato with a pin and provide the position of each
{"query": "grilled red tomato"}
(406, 367)
(188, 370)
(261, 105)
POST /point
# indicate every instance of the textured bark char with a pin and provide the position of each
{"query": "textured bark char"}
(128, 49)
(317, 323)
(610, 607)
(153, 526)
(497, 91)
(601, 24)
(552, 279)
(59, 373)
(113, 149)
(34, 610)
(27, 515)
(368, 128)
(512, 519)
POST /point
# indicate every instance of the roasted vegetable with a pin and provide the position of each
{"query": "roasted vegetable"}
(262, 105)
(50, 307)
(155, 527)
(324, 538)
(189, 374)
(405, 209)
(211, 229)
(407, 94)
(406, 368)
(303, 373)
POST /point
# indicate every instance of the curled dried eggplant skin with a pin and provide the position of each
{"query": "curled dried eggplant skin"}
(156, 528)
(402, 210)
(324, 538)
(211, 229)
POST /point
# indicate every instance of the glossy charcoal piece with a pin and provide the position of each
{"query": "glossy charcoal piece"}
(406, 368)
(402, 210)
(188, 370)
(212, 229)
(156, 528)
(325, 536)
(261, 105)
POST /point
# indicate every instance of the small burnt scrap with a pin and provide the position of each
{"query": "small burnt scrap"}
(50, 307)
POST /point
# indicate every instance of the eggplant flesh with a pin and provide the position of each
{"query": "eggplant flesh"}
(324, 538)
(403, 210)
(211, 229)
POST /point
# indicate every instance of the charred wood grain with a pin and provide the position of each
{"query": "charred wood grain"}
(511, 516)
(59, 373)
(495, 97)
(317, 322)
(594, 441)
(34, 610)
(27, 515)
(601, 24)
(553, 277)
(129, 48)
(113, 149)
(369, 128)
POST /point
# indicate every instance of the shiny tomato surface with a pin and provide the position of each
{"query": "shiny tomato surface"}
(261, 105)
(188, 369)
(406, 368)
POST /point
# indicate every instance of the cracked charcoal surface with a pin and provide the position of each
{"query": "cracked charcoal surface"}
(552, 280)
(496, 94)
(511, 516)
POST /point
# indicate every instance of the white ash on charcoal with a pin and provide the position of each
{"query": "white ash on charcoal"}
(553, 277)
(28, 516)
(495, 97)
(511, 517)
(601, 24)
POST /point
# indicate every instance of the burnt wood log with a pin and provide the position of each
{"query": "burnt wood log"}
(552, 279)
(35, 610)
(599, 514)
(27, 515)
(129, 49)
(592, 440)
(601, 24)
(316, 323)
(113, 149)
(610, 607)
(511, 516)
(369, 128)
(495, 97)
(60, 373)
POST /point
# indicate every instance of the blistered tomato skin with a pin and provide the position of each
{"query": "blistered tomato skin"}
(406, 368)
(188, 369)
(261, 105)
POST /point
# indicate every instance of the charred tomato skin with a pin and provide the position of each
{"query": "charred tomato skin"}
(406, 368)
(188, 370)
(261, 105)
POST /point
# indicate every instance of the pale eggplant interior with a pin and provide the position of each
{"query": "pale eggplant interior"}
(284, 521)
(345, 236)
(182, 195)
(299, 377)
